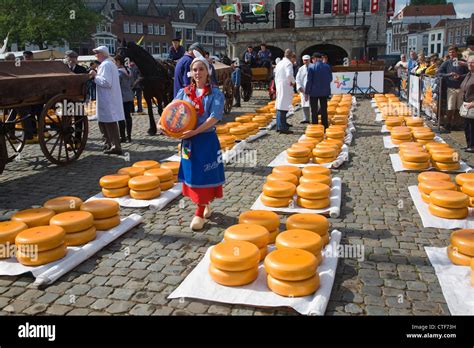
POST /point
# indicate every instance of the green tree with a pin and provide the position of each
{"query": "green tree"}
(44, 22)
(428, 2)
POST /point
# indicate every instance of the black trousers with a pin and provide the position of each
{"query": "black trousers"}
(321, 108)
(127, 109)
(469, 131)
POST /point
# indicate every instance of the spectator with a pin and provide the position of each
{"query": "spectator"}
(71, 59)
(469, 51)
(452, 74)
(126, 82)
(181, 71)
(412, 62)
(301, 79)
(90, 83)
(109, 108)
(325, 58)
(264, 57)
(236, 81)
(434, 66)
(284, 81)
(421, 65)
(28, 55)
(176, 50)
(467, 91)
(250, 57)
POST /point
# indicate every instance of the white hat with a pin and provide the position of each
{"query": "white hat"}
(199, 58)
(306, 57)
(102, 49)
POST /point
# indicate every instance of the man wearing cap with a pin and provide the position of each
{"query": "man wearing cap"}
(181, 78)
(28, 55)
(318, 89)
(176, 51)
(71, 59)
(236, 81)
(109, 106)
(301, 78)
(284, 81)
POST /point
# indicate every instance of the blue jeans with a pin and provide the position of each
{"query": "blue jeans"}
(281, 120)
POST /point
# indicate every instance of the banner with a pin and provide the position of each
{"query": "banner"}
(257, 9)
(307, 8)
(342, 81)
(430, 88)
(346, 6)
(232, 9)
(374, 6)
(390, 8)
(404, 85)
(414, 91)
(335, 7)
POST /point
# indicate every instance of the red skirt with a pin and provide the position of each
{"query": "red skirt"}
(201, 195)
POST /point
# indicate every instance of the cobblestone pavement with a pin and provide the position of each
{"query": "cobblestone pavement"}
(135, 274)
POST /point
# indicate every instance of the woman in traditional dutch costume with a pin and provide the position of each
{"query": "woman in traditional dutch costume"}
(202, 170)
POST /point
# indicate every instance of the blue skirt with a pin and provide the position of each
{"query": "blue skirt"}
(201, 161)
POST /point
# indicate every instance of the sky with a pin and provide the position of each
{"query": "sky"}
(464, 8)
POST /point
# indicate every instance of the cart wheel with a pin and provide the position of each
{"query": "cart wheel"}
(67, 131)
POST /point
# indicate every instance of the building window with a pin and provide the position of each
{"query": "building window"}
(157, 29)
(450, 37)
(458, 32)
(327, 6)
(366, 6)
(438, 48)
(432, 48)
(245, 8)
(140, 28)
(149, 48)
(354, 6)
(156, 48)
(439, 36)
(432, 37)
(150, 29)
(466, 30)
(210, 40)
(316, 6)
(126, 27)
(458, 40)
(178, 32)
(164, 48)
(133, 28)
(189, 35)
(162, 30)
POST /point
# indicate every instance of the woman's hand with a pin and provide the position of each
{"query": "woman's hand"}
(188, 134)
(470, 105)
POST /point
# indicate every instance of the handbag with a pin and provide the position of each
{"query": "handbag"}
(465, 112)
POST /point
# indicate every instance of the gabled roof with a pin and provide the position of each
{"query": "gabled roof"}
(440, 24)
(429, 10)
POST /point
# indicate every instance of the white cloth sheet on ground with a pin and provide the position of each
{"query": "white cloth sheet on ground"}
(49, 273)
(199, 285)
(281, 160)
(397, 166)
(333, 210)
(455, 282)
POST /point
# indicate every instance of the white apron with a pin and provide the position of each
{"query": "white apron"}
(283, 80)
(301, 78)
(109, 96)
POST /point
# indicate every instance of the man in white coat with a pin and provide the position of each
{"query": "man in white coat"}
(108, 100)
(284, 82)
(301, 78)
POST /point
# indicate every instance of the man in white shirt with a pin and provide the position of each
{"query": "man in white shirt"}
(301, 78)
(401, 66)
(284, 82)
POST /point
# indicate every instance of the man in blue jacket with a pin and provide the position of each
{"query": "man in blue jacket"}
(236, 81)
(181, 70)
(318, 89)
(176, 51)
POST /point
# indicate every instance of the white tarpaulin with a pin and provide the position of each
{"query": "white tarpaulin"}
(333, 210)
(455, 282)
(281, 160)
(49, 273)
(199, 285)
(388, 144)
(398, 166)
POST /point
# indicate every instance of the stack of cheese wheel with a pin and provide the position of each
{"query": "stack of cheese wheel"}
(443, 156)
(316, 174)
(145, 165)
(78, 225)
(252, 233)
(261, 120)
(174, 166)
(289, 177)
(8, 232)
(144, 187)
(288, 169)
(244, 118)
(311, 222)
(234, 263)
(315, 132)
(265, 218)
(298, 153)
(277, 193)
(449, 204)
(415, 159)
(336, 132)
(40, 245)
(164, 175)
(413, 122)
(400, 134)
(292, 272)
(327, 151)
(314, 195)
(432, 181)
(466, 184)
(63, 204)
(301, 239)
(310, 143)
(34, 217)
(105, 213)
(115, 185)
(393, 121)
(461, 247)
(239, 132)
(222, 129)
(131, 171)
(227, 142)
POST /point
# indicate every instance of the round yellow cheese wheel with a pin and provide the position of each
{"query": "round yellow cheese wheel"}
(279, 189)
(235, 255)
(275, 202)
(445, 157)
(305, 221)
(309, 142)
(411, 145)
(298, 160)
(463, 241)
(325, 146)
(313, 191)
(436, 145)
(298, 152)
(174, 166)
(114, 181)
(232, 278)
(164, 174)
(400, 136)
(299, 288)
(423, 135)
(144, 183)
(313, 203)
(273, 235)
(324, 152)
(414, 121)
(314, 133)
(73, 221)
(433, 185)
(448, 213)
(325, 239)
(145, 165)
(101, 208)
(457, 257)
(131, 171)
(337, 142)
(222, 129)
(42, 237)
(145, 195)
(316, 179)
(446, 166)
(287, 169)
(463, 178)
(449, 199)
(9, 230)
(468, 189)
(178, 117)
(425, 197)
(107, 223)
(283, 177)
(315, 170)
(252, 233)
(320, 160)
(34, 217)
(267, 219)
(114, 193)
(300, 239)
(80, 238)
(63, 204)
(433, 176)
(418, 157)
(166, 185)
(263, 253)
(290, 264)
(42, 257)
(416, 165)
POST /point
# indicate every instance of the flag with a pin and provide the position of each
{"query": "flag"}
(335, 7)
(257, 9)
(390, 8)
(346, 6)
(5, 42)
(231, 9)
(139, 42)
(307, 8)
(374, 6)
